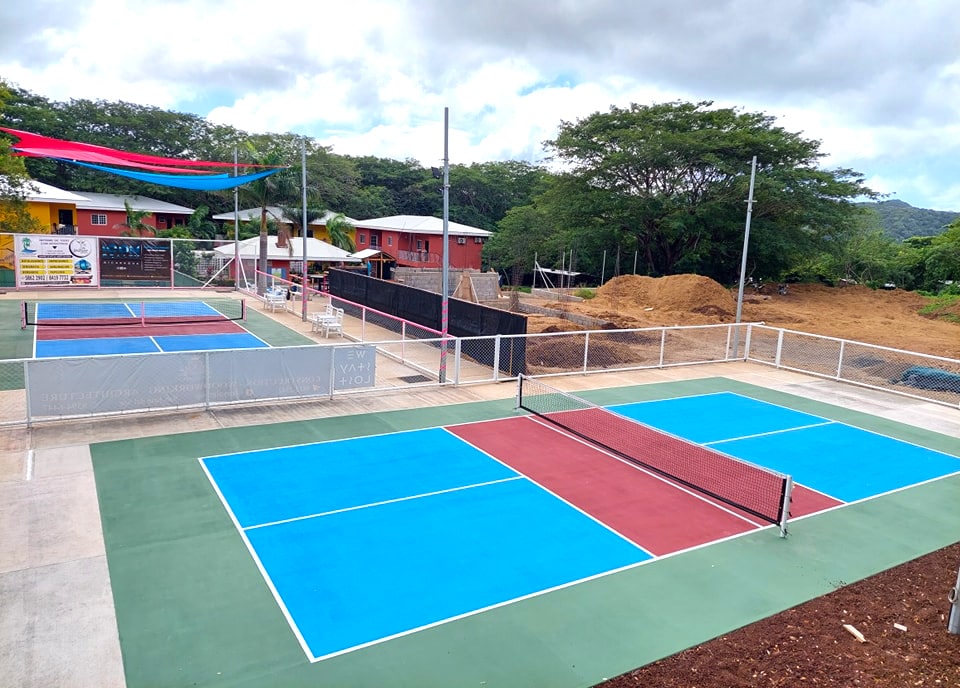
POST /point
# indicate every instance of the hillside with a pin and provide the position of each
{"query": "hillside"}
(901, 220)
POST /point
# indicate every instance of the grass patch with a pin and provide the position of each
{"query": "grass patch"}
(943, 307)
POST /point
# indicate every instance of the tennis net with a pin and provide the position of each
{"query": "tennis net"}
(750, 488)
(111, 314)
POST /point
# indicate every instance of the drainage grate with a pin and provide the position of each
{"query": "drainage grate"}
(415, 378)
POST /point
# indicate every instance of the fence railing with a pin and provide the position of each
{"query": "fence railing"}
(379, 354)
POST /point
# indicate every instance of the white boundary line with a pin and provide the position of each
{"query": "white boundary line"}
(555, 495)
(260, 567)
(381, 503)
(518, 476)
(28, 473)
(770, 432)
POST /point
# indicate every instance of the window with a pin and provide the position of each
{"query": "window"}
(419, 244)
(389, 241)
(362, 238)
(478, 240)
(374, 241)
(98, 219)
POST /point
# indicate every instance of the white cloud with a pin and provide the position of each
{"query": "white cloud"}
(877, 82)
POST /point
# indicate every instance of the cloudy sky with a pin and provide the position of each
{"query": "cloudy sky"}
(876, 81)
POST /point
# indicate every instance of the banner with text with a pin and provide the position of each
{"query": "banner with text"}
(135, 259)
(55, 260)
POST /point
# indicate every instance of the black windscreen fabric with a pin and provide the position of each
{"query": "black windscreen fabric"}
(465, 319)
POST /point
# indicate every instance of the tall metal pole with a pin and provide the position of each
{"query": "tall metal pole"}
(236, 226)
(303, 229)
(445, 282)
(743, 258)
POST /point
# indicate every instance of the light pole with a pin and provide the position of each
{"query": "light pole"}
(743, 259)
(445, 281)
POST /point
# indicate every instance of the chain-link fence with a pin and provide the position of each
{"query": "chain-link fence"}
(378, 353)
(932, 378)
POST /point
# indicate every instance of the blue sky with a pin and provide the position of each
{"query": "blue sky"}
(876, 81)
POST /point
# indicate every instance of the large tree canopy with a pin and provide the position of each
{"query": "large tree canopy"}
(670, 182)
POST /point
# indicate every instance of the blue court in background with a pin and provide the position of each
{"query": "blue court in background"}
(375, 537)
(110, 344)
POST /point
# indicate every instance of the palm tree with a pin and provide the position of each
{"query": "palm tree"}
(339, 230)
(295, 217)
(199, 226)
(263, 192)
(134, 224)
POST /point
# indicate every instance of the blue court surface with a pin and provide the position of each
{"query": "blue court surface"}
(844, 462)
(119, 334)
(81, 310)
(367, 539)
(364, 540)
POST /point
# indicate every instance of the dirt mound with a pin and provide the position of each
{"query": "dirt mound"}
(676, 293)
(888, 318)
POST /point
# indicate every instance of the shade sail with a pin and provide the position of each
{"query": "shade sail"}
(205, 182)
(79, 151)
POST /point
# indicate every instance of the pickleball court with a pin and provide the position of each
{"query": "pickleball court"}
(78, 328)
(365, 540)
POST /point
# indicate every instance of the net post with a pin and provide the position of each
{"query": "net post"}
(519, 398)
(143, 315)
(23, 315)
(243, 310)
(785, 507)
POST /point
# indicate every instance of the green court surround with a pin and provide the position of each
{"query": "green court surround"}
(192, 608)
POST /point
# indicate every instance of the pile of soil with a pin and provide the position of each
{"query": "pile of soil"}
(887, 318)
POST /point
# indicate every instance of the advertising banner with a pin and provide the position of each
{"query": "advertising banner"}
(54, 260)
(135, 259)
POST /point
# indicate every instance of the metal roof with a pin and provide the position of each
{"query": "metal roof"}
(420, 224)
(105, 201)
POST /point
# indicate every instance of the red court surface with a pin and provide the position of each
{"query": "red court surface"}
(654, 513)
(159, 329)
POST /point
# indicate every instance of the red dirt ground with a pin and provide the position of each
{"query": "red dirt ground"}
(808, 645)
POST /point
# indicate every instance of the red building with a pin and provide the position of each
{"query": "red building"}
(101, 214)
(417, 241)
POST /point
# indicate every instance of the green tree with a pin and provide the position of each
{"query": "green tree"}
(134, 224)
(184, 258)
(339, 230)
(14, 184)
(942, 259)
(481, 194)
(199, 226)
(264, 192)
(675, 176)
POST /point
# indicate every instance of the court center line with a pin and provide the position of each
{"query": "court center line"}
(771, 432)
(386, 501)
(29, 468)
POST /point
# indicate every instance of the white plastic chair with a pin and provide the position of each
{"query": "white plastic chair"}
(334, 324)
